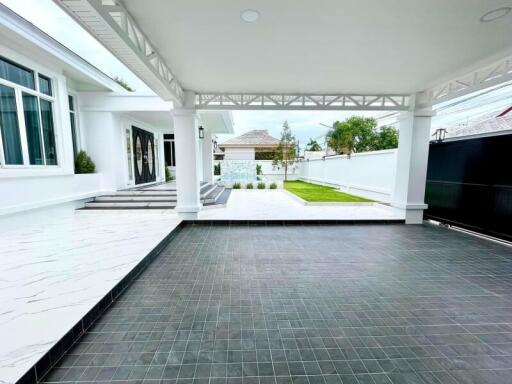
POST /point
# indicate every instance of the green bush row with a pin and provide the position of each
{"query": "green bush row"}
(260, 185)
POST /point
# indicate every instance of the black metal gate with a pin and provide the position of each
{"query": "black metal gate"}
(469, 184)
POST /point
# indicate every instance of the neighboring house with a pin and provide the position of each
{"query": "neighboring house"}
(488, 124)
(54, 104)
(253, 145)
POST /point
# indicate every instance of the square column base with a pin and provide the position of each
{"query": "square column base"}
(188, 212)
(413, 212)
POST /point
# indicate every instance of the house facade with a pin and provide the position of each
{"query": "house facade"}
(257, 144)
(54, 104)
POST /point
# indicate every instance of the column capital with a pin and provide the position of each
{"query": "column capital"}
(192, 112)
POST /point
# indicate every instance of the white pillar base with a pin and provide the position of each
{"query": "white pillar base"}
(413, 212)
(188, 213)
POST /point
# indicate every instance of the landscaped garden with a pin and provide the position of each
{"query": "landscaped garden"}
(320, 193)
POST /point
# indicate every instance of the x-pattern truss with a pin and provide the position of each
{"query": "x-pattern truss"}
(234, 101)
(489, 76)
(111, 23)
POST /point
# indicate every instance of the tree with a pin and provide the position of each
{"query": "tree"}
(387, 138)
(313, 146)
(284, 154)
(360, 134)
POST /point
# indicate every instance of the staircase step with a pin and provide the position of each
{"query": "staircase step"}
(213, 195)
(140, 198)
(130, 205)
(145, 193)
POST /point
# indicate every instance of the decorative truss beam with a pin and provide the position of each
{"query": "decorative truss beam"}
(264, 101)
(497, 73)
(110, 23)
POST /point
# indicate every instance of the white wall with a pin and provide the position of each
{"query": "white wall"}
(269, 172)
(272, 173)
(369, 174)
(239, 153)
(20, 194)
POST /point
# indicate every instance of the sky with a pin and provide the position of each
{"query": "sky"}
(305, 124)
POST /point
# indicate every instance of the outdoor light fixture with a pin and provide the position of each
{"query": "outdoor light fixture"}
(201, 132)
(495, 14)
(250, 15)
(440, 134)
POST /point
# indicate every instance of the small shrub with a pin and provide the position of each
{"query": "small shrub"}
(249, 186)
(168, 175)
(83, 163)
(261, 185)
(273, 186)
(216, 169)
(258, 169)
(237, 185)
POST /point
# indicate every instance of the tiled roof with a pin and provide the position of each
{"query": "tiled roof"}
(488, 125)
(256, 138)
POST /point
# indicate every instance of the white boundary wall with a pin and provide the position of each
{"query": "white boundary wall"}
(368, 174)
(269, 172)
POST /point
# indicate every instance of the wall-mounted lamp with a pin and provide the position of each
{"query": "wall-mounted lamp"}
(201, 132)
(440, 134)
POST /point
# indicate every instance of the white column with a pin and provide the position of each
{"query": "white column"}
(411, 164)
(186, 138)
(207, 147)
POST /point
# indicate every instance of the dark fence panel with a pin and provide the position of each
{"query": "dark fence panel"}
(469, 184)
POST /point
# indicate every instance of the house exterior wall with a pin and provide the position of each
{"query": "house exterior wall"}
(102, 134)
(30, 186)
(231, 153)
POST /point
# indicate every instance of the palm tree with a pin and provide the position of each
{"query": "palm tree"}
(313, 146)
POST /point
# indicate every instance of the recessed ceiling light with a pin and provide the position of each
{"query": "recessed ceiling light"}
(250, 15)
(495, 14)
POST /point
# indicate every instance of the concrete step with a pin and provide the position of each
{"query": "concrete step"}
(145, 193)
(207, 188)
(151, 199)
(140, 198)
(213, 195)
(129, 205)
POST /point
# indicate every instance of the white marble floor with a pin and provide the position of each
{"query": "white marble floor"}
(278, 205)
(55, 265)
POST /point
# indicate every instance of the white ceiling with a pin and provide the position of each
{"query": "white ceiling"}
(322, 46)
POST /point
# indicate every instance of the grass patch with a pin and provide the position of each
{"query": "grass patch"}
(319, 193)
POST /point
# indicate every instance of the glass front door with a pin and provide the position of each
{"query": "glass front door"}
(144, 156)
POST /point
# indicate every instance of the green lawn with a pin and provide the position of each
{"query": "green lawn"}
(319, 193)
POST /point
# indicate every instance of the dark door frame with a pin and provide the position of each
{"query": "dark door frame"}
(144, 159)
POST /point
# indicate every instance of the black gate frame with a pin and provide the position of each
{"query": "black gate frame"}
(469, 184)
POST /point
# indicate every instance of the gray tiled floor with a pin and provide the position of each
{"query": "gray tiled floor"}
(308, 305)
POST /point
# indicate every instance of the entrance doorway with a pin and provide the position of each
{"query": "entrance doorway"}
(144, 156)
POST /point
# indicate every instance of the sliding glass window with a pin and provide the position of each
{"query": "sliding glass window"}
(48, 132)
(27, 131)
(9, 127)
(74, 125)
(33, 128)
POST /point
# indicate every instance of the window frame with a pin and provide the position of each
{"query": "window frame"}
(18, 92)
(76, 114)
